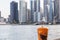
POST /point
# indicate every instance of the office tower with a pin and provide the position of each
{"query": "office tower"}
(22, 12)
(57, 11)
(28, 16)
(46, 11)
(35, 10)
(14, 12)
(32, 10)
(53, 12)
(50, 12)
(38, 11)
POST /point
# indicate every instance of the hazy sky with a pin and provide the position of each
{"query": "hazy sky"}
(5, 6)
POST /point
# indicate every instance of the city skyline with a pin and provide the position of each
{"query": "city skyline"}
(38, 10)
(5, 7)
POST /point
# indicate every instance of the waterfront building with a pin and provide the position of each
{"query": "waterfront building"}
(22, 12)
(14, 12)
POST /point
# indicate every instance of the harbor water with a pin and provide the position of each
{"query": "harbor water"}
(27, 32)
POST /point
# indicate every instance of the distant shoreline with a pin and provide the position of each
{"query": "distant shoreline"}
(4, 23)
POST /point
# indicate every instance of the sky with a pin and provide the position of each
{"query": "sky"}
(5, 6)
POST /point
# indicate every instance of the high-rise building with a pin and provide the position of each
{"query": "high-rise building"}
(57, 11)
(14, 12)
(22, 12)
(41, 13)
(35, 10)
(46, 11)
(28, 16)
(32, 10)
(50, 11)
(9, 18)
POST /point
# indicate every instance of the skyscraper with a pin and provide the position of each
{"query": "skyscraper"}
(57, 10)
(35, 10)
(22, 12)
(14, 12)
(50, 12)
(28, 16)
(32, 10)
(46, 10)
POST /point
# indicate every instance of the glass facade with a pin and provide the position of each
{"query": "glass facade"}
(35, 10)
(51, 12)
(46, 11)
(22, 12)
(57, 10)
(38, 5)
(32, 10)
(14, 12)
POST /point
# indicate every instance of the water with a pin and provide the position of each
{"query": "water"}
(26, 32)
